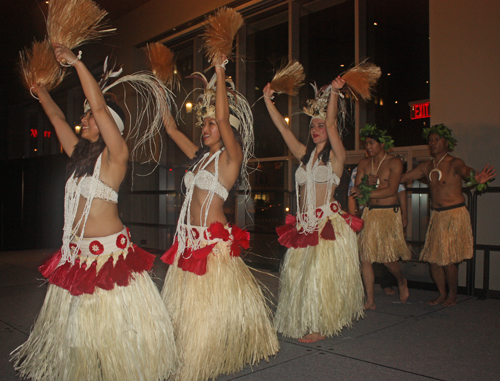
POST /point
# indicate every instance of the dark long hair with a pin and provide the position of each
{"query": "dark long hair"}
(204, 149)
(324, 155)
(84, 156)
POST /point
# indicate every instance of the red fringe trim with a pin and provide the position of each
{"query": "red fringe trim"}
(290, 237)
(196, 261)
(84, 279)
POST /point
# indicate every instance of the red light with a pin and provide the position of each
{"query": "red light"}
(34, 133)
(170, 169)
(46, 134)
(420, 110)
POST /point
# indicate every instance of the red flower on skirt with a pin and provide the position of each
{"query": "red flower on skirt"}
(334, 207)
(319, 213)
(96, 247)
(121, 241)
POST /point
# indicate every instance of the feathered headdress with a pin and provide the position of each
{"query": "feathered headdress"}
(162, 63)
(289, 78)
(39, 67)
(381, 136)
(221, 28)
(442, 131)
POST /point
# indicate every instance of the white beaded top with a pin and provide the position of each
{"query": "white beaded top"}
(103, 191)
(205, 180)
(89, 187)
(309, 176)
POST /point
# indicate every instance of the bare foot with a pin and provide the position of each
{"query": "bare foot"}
(389, 291)
(440, 299)
(451, 301)
(312, 338)
(370, 306)
(404, 293)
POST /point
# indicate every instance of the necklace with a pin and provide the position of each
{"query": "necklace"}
(379, 164)
(436, 169)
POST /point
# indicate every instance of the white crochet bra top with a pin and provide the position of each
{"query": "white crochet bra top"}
(205, 180)
(90, 187)
(309, 176)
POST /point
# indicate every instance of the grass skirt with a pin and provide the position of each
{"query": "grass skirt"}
(221, 318)
(119, 333)
(449, 237)
(382, 239)
(320, 286)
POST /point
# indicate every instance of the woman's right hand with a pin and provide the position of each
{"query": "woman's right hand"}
(63, 54)
(268, 92)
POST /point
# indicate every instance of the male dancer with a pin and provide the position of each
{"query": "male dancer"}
(382, 238)
(449, 235)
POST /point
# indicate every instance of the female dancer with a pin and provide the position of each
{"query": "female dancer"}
(320, 284)
(220, 315)
(103, 317)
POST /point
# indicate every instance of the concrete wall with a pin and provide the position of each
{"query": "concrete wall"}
(465, 89)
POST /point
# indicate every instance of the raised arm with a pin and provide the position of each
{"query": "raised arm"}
(415, 174)
(297, 148)
(331, 122)
(233, 148)
(115, 144)
(65, 133)
(182, 141)
(463, 170)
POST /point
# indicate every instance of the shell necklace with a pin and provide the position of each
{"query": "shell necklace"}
(379, 164)
(436, 169)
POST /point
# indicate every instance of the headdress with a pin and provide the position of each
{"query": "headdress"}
(240, 115)
(381, 136)
(316, 108)
(442, 131)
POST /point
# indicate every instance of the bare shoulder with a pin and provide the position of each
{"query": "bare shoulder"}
(395, 161)
(364, 162)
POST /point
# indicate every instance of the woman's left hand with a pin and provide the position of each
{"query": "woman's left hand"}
(63, 54)
(338, 83)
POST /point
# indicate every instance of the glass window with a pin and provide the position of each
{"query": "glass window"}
(267, 44)
(397, 34)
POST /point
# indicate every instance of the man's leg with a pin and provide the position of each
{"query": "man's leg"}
(368, 280)
(395, 269)
(438, 275)
(451, 272)
(386, 279)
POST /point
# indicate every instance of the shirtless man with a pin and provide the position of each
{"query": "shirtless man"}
(449, 235)
(382, 239)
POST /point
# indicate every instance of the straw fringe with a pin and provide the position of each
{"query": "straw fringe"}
(221, 28)
(122, 334)
(362, 79)
(449, 237)
(39, 67)
(221, 319)
(75, 22)
(162, 63)
(289, 78)
(320, 286)
(382, 239)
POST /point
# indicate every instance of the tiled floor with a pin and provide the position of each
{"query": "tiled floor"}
(413, 341)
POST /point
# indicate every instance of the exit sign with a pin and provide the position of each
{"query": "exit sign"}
(419, 110)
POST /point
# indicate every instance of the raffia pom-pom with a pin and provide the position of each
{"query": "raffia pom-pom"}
(75, 22)
(221, 28)
(362, 79)
(289, 78)
(38, 66)
(162, 63)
